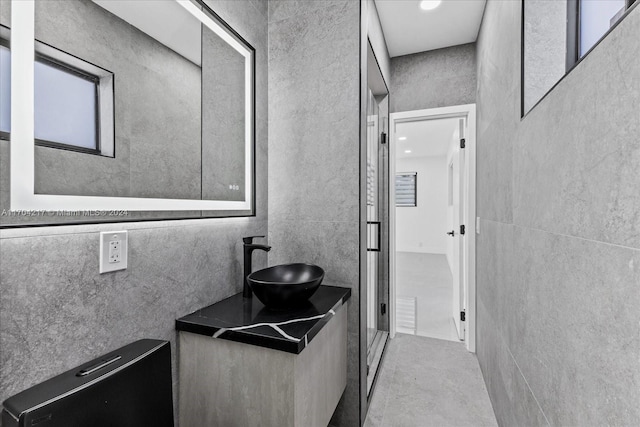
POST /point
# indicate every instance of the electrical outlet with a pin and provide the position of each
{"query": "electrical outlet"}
(113, 251)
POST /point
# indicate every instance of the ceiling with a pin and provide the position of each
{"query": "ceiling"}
(425, 138)
(409, 29)
(166, 21)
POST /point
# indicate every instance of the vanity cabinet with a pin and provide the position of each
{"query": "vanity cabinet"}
(241, 364)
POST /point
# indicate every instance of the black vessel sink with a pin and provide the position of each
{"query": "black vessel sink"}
(287, 285)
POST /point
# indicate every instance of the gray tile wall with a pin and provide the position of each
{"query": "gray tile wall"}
(314, 155)
(559, 249)
(545, 47)
(437, 78)
(56, 311)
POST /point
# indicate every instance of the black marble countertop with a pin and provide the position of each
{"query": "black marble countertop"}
(248, 321)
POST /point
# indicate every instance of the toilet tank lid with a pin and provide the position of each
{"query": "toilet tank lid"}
(80, 377)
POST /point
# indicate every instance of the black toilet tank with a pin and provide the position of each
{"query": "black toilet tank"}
(127, 387)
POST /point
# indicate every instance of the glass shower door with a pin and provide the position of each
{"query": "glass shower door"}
(377, 211)
(373, 223)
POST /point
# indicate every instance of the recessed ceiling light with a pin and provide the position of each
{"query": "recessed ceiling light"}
(407, 151)
(402, 138)
(429, 4)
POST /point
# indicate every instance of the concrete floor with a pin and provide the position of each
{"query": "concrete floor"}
(427, 277)
(427, 382)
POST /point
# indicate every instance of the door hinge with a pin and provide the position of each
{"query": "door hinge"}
(462, 316)
(462, 230)
(463, 143)
(383, 138)
(383, 309)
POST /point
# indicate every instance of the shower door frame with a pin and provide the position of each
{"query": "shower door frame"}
(372, 352)
(377, 219)
(467, 111)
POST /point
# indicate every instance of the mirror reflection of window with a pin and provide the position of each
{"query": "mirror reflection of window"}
(65, 105)
(73, 101)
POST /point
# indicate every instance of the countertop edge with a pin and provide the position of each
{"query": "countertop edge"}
(266, 341)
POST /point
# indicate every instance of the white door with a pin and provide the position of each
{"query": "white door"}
(457, 186)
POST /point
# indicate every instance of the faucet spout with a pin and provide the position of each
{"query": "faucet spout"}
(249, 247)
(255, 246)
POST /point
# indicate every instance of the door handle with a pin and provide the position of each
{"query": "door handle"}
(373, 239)
(451, 233)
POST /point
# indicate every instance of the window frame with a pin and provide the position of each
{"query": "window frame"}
(573, 57)
(574, 29)
(96, 80)
(39, 57)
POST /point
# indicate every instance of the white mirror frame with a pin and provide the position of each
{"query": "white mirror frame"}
(23, 195)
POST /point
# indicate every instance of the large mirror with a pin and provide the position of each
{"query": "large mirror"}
(137, 106)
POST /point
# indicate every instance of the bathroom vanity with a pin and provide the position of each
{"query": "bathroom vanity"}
(242, 364)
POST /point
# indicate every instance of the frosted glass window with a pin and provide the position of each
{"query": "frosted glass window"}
(596, 17)
(5, 90)
(65, 103)
(65, 107)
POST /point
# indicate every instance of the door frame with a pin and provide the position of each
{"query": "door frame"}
(467, 111)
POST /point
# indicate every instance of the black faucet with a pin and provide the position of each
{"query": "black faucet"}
(249, 247)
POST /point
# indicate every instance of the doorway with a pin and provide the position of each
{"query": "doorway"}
(432, 233)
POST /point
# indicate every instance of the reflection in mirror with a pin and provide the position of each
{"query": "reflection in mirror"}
(139, 99)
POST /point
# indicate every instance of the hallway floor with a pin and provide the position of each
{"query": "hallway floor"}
(427, 278)
(429, 382)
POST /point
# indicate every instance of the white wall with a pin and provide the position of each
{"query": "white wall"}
(422, 228)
